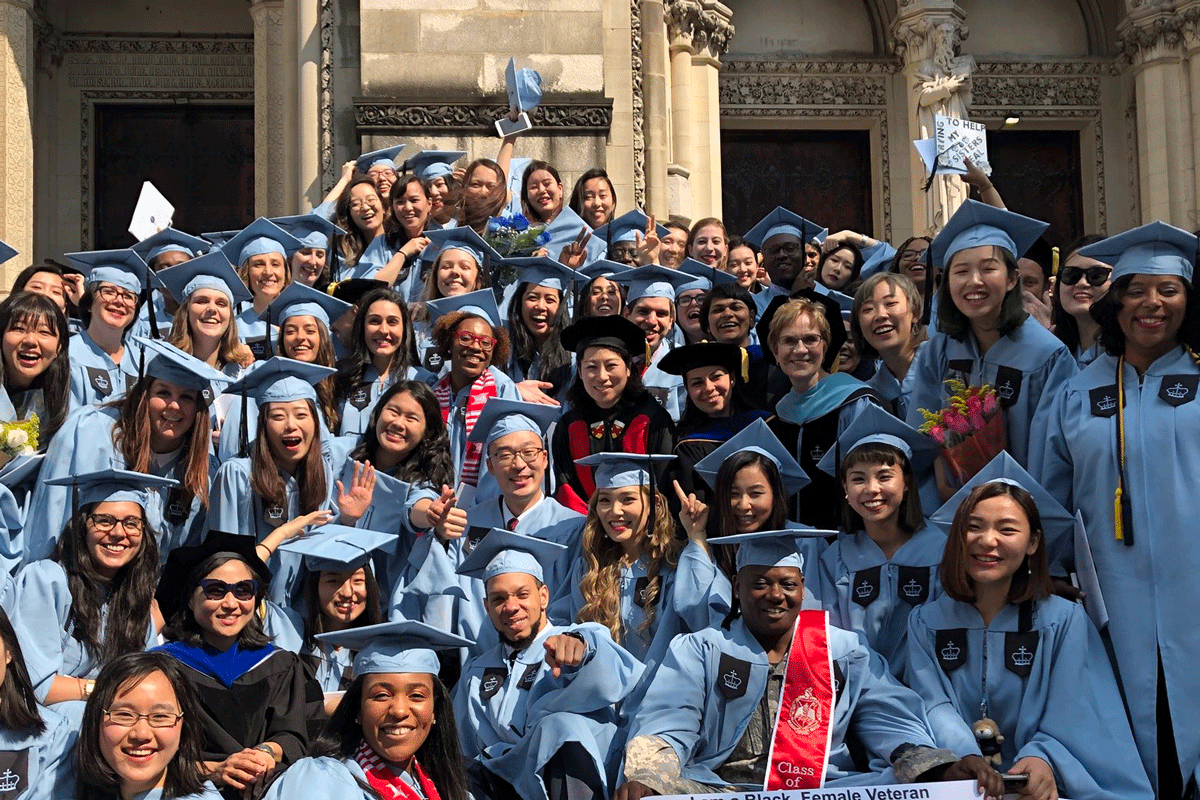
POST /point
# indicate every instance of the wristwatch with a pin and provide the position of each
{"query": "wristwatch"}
(266, 748)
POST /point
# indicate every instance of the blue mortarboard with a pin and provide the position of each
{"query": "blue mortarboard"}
(338, 548)
(430, 164)
(7, 251)
(501, 552)
(876, 258)
(626, 227)
(617, 470)
(1153, 249)
(652, 281)
(516, 176)
(542, 271)
(123, 268)
(844, 301)
(771, 548)
(704, 277)
(259, 237)
(219, 238)
(524, 87)
(173, 365)
(464, 239)
(1003, 468)
(19, 468)
(501, 416)
(281, 380)
(385, 157)
(312, 230)
(977, 224)
(209, 271)
(758, 438)
(874, 425)
(299, 300)
(169, 240)
(783, 221)
(602, 267)
(481, 303)
(397, 647)
(114, 485)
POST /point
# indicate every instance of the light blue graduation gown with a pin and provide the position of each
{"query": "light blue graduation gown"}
(456, 428)
(691, 707)
(12, 540)
(1149, 588)
(234, 508)
(43, 607)
(666, 388)
(358, 404)
(1026, 368)
(142, 326)
(514, 720)
(895, 393)
(85, 444)
(871, 595)
(207, 792)
(253, 332)
(46, 770)
(322, 777)
(375, 258)
(388, 515)
(1050, 689)
(95, 378)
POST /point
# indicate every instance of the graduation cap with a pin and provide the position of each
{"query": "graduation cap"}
(617, 470)
(169, 240)
(500, 552)
(173, 365)
(1056, 520)
(542, 271)
(680, 360)
(845, 302)
(397, 647)
(430, 164)
(218, 238)
(1153, 249)
(276, 380)
(352, 290)
(602, 267)
(464, 239)
(176, 582)
(771, 548)
(524, 86)
(338, 548)
(111, 485)
(755, 438)
(123, 268)
(298, 300)
(385, 157)
(704, 276)
(210, 271)
(876, 258)
(481, 303)
(781, 221)
(833, 313)
(313, 230)
(501, 416)
(614, 332)
(652, 281)
(977, 224)
(7, 251)
(873, 425)
(627, 227)
(259, 237)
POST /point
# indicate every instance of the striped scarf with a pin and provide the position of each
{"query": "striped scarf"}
(483, 388)
(384, 779)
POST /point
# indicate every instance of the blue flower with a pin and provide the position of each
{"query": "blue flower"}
(519, 222)
(494, 223)
(543, 238)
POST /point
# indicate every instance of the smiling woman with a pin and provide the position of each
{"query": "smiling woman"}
(35, 368)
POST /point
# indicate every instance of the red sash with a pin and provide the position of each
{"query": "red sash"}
(386, 782)
(481, 390)
(800, 743)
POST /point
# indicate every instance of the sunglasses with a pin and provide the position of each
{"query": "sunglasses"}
(1096, 276)
(214, 589)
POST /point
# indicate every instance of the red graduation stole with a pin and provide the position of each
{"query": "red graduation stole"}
(386, 782)
(800, 742)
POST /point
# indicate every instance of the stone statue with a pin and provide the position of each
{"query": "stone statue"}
(942, 85)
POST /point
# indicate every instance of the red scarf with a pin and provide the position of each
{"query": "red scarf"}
(383, 779)
(483, 388)
(800, 743)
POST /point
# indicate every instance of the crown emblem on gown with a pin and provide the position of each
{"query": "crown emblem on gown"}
(732, 679)
(101, 383)
(491, 683)
(817, 453)
(951, 651)
(912, 588)
(1022, 657)
(1005, 390)
(1177, 392)
(9, 781)
(864, 589)
(1107, 403)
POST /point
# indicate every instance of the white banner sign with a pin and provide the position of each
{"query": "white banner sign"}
(952, 790)
(957, 139)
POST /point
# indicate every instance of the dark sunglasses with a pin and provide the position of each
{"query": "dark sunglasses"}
(1096, 276)
(216, 590)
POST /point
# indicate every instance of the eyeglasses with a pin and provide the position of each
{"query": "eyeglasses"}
(691, 300)
(506, 458)
(111, 293)
(465, 339)
(216, 590)
(788, 248)
(809, 341)
(127, 719)
(912, 255)
(106, 522)
(1096, 276)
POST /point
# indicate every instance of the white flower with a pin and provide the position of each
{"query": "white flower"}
(16, 438)
(26, 451)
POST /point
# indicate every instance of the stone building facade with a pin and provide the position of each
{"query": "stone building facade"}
(660, 92)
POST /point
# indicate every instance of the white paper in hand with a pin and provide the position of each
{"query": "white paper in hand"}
(956, 139)
(152, 214)
(1089, 581)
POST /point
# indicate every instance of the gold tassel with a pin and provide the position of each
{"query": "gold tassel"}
(331, 288)
(745, 365)
(1054, 261)
(1117, 526)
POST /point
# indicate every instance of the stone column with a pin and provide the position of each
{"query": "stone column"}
(927, 37)
(702, 29)
(17, 42)
(1152, 38)
(679, 193)
(307, 105)
(1189, 13)
(275, 177)
(655, 88)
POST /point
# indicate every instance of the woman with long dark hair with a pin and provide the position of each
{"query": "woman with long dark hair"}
(885, 324)
(360, 211)
(1081, 281)
(141, 734)
(594, 198)
(537, 315)
(92, 599)
(392, 256)
(396, 686)
(35, 369)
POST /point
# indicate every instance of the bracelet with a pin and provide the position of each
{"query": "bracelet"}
(86, 687)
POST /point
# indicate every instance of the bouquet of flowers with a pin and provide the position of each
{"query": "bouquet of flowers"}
(18, 438)
(970, 428)
(515, 236)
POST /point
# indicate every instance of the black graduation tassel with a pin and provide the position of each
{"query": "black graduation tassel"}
(148, 299)
(74, 499)
(243, 429)
(141, 364)
(331, 258)
(932, 173)
(927, 312)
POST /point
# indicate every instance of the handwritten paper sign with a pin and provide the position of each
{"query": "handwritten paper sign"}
(957, 139)
(951, 790)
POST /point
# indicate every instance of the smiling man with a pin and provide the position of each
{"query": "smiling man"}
(650, 304)
(709, 720)
(536, 712)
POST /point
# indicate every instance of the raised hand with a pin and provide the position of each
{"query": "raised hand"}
(354, 504)
(693, 515)
(449, 521)
(563, 650)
